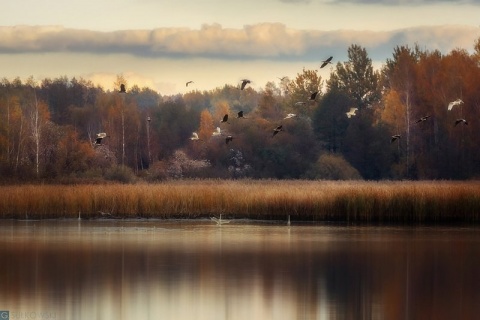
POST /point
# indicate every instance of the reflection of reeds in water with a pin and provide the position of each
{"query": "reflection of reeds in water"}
(303, 200)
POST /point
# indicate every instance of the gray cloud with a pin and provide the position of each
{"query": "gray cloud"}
(271, 41)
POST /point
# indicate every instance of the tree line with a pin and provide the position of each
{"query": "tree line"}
(48, 128)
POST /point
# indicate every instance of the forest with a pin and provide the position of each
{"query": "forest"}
(401, 126)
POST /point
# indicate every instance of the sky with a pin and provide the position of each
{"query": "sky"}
(162, 44)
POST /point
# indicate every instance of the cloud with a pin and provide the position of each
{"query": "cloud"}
(269, 41)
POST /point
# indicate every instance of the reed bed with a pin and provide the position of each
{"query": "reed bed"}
(388, 201)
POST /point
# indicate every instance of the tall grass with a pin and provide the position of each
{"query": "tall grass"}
(429, 201)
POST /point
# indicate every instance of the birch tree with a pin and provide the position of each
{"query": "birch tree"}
(38, 116)
(400, 75)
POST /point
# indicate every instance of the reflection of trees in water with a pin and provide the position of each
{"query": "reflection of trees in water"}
(359, 279)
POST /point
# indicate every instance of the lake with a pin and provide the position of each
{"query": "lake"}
(196, 269)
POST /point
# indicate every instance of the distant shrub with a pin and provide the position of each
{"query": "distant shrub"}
(333, 167)
(157, 171)
(178, 166)
(104, 158)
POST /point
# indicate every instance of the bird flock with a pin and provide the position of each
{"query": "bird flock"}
(228, 137)
(244, 82)
(450, 107)
(312, 98)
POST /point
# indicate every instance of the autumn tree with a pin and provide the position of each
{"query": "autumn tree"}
(476, 55)
(301, 88)
(38, 115)
(206, 125)
(460, 143)
(197, 100)
(173, 124)
(367, 147)
(400, 78)
(221, 108)
(245, 100)
(268, 105)
(330, 120)
(356, 78)
(332, 167)
(16, 133)
(353, 84)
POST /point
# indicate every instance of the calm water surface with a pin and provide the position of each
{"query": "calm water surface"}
(242, 270)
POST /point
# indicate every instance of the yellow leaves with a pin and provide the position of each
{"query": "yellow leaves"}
(305, 84)
(43, 111)
(206, 125)
(393, 112)
(221, 108)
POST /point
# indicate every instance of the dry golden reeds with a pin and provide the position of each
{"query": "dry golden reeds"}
(426, 201)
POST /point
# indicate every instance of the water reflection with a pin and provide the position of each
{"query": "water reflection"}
(198, 270)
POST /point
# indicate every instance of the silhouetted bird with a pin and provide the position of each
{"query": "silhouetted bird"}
(224, 119)
(99, 137)
(240, 115)
(325, 62)
(228, 139)
(454, 103)
(313, 96)
(282, 78)
(244, 83)
(422, 119)
(188, 82)
(277, 130)
(395, 137)
(461, 121)
(351, 113)
(122, 88)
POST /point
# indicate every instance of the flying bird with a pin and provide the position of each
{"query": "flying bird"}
(351, 113)
(224, 119)
(395, 137)
(228, 139)
(454, 103)
(461, 121)
(188, 82)
(313, 96)
(217, 132)
(290, 115)
(122, 88)
(194, 136)
(282, 78)
(244, 83)
(277, 130)
(325, 62)
(240, 115)
(422, 119)
(99, 137)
